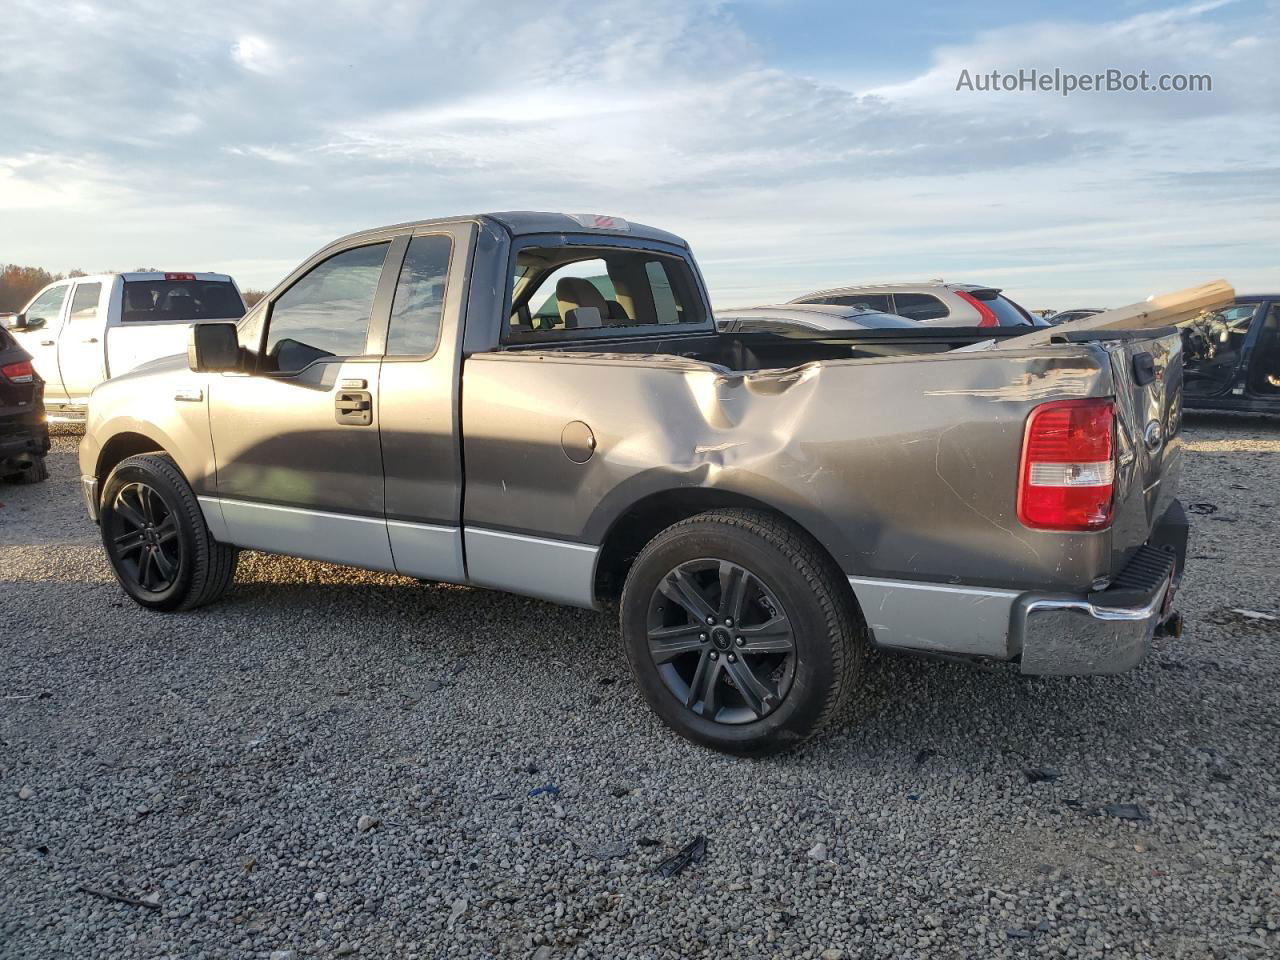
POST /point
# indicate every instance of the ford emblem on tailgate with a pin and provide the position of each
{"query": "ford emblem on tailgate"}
(1153, 436)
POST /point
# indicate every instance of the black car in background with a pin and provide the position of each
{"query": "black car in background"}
(1231, 357)
(24, 434)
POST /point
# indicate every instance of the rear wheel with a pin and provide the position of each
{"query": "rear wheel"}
(739, 631)
(156, 539)
(34, 472)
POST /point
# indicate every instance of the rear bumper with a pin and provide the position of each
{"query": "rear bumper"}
(22, 441)
(1108, 631)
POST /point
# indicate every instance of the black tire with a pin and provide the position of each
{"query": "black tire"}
(156, 539)
(34, 472)
(790, 589)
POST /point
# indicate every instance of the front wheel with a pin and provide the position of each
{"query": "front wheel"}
(739, 631)
(156, 539)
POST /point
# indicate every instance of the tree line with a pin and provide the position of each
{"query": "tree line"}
(19, 284)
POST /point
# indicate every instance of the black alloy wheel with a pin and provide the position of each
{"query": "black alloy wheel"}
(142, 536)
(721, 641)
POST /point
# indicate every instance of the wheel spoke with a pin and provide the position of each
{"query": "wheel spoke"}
(772, 636)
(129, 512)
(733, 590)
(144, 567)
(167, 529)
(164, 565)
(699, 680)
(147, 499)
(679, 586)
(711, 689)
(753, 690)
(667, 643)
(126, 543)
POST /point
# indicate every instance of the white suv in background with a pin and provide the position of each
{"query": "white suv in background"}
(933, 302)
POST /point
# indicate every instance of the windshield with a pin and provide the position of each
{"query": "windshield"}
(180, 300)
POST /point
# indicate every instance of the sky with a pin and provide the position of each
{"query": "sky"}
(796, 146)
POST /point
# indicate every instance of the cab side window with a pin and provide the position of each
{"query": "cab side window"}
(84, 303)
(325, 314)
(419, 301)
(563, 292)
(48, 307)
(919, 306)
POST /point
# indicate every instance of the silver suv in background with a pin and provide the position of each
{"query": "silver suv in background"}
(933, 302)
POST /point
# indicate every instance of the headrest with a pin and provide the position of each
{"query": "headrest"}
(574, 292)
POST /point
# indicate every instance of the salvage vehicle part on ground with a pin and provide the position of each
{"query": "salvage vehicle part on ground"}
(763, 506)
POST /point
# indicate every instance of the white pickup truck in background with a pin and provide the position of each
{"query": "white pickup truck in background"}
(84, 330)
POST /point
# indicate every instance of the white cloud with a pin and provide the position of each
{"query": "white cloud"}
(256, 54)
(666, 113)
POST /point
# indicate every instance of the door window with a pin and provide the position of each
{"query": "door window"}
(48, 307)
(325, 314)
(419, 301)
(919, 306)
(84, 304)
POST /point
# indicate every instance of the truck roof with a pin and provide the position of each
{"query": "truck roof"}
(525, 222)
(154, 275)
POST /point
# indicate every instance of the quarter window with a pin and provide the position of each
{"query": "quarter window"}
(84, 304)
(919, 306)
(419, 302)
(326, 313)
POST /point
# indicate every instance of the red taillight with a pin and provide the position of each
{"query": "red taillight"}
(20, 372)
(1068, 472)
(989, 319)
(180, 276)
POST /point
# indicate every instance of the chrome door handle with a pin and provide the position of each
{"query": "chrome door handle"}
(47, 343)
(90, 340)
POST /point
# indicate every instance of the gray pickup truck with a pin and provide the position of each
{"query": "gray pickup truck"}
(542, 404)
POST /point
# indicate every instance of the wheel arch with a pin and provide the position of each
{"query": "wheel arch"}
(648, 516)
(121, 447)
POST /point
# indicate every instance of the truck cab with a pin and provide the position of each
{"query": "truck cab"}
(84, 330)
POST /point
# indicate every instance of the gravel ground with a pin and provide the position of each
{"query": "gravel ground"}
(333, 762)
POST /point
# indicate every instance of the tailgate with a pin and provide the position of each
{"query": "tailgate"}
(1146, 373)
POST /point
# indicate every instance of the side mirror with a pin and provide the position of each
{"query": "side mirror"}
(213, 348)
(11, 321)
(20, 321)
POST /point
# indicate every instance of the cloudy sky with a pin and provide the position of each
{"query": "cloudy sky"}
(796, 145)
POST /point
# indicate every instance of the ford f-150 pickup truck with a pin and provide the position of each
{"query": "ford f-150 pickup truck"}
(467, 400)
(83, 330)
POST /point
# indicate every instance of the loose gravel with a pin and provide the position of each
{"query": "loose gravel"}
(337, 763)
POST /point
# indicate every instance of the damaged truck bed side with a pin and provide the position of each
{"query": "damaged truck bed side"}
(541, 404)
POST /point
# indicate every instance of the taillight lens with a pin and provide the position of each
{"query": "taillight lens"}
(20, 372)
(1067, 476)
(988, 316)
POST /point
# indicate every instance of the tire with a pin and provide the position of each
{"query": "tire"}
(156, 539)
(34, 472)
(792, 654)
